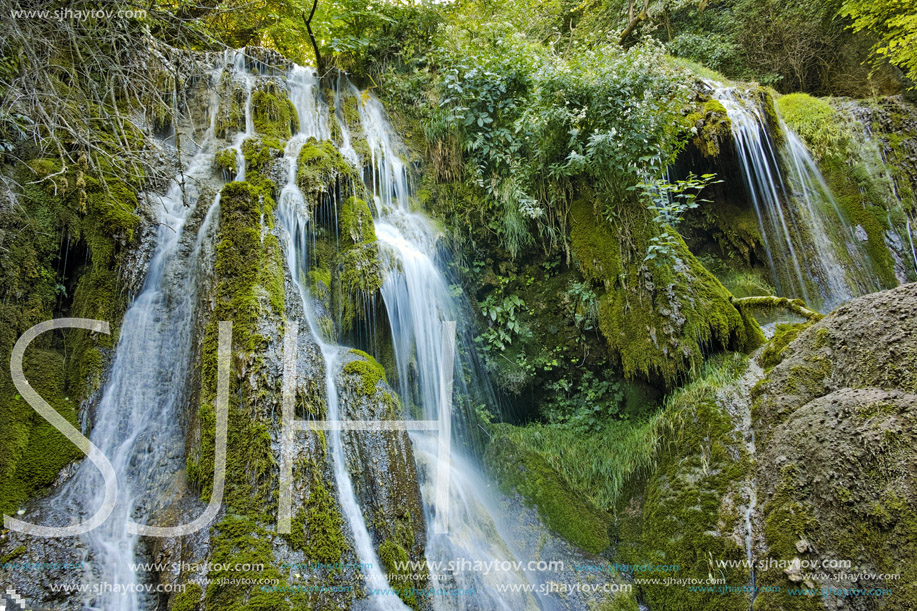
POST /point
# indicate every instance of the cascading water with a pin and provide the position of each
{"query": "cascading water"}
(417, 300)
(136, 422)
(811, 250)
(295, 220)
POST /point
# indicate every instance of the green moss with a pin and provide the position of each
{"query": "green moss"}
(350, 110)
(189, 600)
(356, 221)
(81, 216)
(249, 277)
(774, 351)
(816, 122)
(226, 163)
(318, 527)
(273, 114)
(683, 512)
(564, 512)
(359, 277)
(368, 371)
(239, 540)
(856, 194)
(230, 117)
(680, 309)
(260, 153)
(710, 127)
(320, 166)
(766, 98)
(392, 556)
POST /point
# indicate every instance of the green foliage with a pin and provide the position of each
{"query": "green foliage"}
(367, 36)
(894, 24)
(595, 463)
(533, 125)
(669, 202)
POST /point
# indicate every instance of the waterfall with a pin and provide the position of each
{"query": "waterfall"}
(811, 250)
(137, 422)
(295, 220)
(417, 300)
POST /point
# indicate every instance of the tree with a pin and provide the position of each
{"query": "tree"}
(894, 24)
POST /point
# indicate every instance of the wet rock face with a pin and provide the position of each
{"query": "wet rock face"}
(837, 428)
(382, 464)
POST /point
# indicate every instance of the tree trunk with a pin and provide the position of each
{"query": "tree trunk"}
(320, 65)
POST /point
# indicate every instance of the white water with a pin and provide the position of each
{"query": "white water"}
(812, 252)
(136, 423)
(293, 216)
(417, 299)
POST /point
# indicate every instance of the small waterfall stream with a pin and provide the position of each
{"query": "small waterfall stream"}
(811, 250)
(417, 300)
(136, 423)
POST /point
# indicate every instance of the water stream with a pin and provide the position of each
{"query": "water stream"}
(135, 423)
(812, 251)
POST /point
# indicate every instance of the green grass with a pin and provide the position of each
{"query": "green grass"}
(598, 465)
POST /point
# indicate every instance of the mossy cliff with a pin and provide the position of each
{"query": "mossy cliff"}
(249, 292)
(383, 470)
(657, 316)
(63, 241)
(685, 511)
(835, 419)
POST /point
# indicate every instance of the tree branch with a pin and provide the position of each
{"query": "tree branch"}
(634, 20)
(797, 306)
(320, 65)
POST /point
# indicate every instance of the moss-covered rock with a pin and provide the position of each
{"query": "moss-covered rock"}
(685, 512)
(273, 114)
(384, 472)
(321, 166)
(318, 528)
(835, 418)
(63, 244)
(356, 222)
(710, 127)
(358, 274)
(656, 316)
(785, 333)
(226, 163)
(564, 512)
